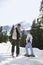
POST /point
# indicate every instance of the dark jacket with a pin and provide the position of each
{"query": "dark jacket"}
(18, 33)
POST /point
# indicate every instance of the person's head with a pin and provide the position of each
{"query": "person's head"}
(28, 31)
(19, 26)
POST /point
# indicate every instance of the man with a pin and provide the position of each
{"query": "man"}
(16, 40)
(29, 43)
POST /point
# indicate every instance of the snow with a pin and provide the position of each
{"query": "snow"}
(6, 58)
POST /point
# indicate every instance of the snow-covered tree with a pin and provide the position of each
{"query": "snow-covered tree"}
(37, 29)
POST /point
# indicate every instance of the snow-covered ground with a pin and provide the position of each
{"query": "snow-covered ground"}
(6, 59)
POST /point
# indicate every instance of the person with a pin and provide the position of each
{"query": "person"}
(16, 40)
(29, 43)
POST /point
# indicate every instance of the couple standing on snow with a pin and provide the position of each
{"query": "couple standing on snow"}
(16, 41)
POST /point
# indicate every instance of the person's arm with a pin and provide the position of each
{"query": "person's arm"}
(27, 39)
(31, 39)
(20, 35)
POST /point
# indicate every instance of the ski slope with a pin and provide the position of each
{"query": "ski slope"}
(6, 58)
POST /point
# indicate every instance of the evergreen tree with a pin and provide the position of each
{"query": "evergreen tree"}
(37, 30)
(0, 28)
(5, 37)
(1, 34)
(23, 39)
(11, 32)
(40, 26)
(34, 33)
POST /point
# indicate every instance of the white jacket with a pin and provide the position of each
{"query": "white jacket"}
(29, 36)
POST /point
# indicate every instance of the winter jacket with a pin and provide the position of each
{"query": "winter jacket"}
(29, 38)
(16, 34)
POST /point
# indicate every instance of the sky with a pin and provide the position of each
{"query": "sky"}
(15, 11)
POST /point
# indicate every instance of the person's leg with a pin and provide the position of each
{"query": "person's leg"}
(30, 46)
(27, 46)
(17, 48)
(12, 49)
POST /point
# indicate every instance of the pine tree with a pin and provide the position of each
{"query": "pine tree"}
(1, 34)
(11, 32)
(37, 29)
(34, 33)
(40, 27)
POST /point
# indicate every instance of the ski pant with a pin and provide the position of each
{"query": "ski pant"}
(29, 45)
(17, 43)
